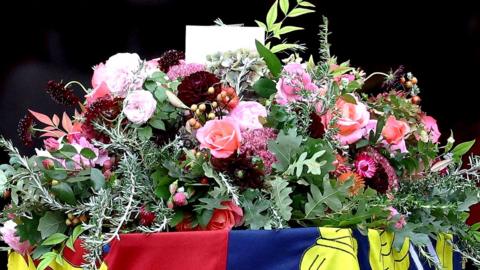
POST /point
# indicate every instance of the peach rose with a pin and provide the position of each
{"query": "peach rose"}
(394, 133)
(227, 218)
(222, 137)
(353, 118)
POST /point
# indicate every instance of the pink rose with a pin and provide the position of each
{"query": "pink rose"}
(139, 106)
(51, 144)
(180, 199)
(119, 74)
(352, 121)
(246, 114)
(431, 127)
(222, 137)
(8, 236)
(226, 218)
(394, 133)
(295, 78)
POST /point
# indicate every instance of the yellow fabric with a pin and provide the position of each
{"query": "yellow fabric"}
(444, 251)
(382, 254)
(334, 249)
(17, 262)
(103, 266)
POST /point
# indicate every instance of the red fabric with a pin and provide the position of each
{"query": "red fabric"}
(205, 250)
(75, 258)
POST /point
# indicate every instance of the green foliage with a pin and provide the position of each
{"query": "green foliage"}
(97, 178)
(314, 166)
(281, 197)
(27, 229)
(265, 87)
(274, 24)
(331, 197)
(256, 210)
(285, 147)
(50, 223)
(272, 61)
(461, 149)
(64, 193)
(54, 239)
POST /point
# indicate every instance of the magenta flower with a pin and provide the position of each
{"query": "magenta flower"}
(294, 79)
(365, 165)
(255, 143)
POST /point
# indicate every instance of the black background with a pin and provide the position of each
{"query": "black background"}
(439, 43)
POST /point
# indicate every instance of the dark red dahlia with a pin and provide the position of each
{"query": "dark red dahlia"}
(170, 58)
(103, 108)
(146, 217)
(385, 178)
(194, 88)
(316, 128)
(241, 170)
(61, 94)
(25, 129)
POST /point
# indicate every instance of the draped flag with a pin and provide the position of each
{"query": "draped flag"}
(287, 249)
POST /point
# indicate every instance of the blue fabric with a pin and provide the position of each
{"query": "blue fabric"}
(268, 250)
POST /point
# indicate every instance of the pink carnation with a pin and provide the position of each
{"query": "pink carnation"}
(51, 144)
(365, 165)
(8, 232)
(294, 80)
(246, 113)
(183, 70)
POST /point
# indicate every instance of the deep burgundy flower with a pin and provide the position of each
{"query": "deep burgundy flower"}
(241, 170)
(170, 58)
(316, 128)
(61, 94)
(146, 217)
(25, 129)
(385, 178)
(194, 88)
(104, 108)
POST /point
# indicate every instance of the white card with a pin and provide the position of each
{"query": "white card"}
(201, 41)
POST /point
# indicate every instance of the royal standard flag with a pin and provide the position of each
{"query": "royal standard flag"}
(286, 249)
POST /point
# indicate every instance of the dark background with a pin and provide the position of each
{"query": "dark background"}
(439, 43)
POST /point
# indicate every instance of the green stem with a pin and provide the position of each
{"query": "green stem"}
(77, 83)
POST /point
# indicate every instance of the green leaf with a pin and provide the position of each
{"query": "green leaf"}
(98, 179)
(462, 148)
(177, 218)
(46, 260)
(205, 217)
(157, 123)
(299, 11)
(54, 239)
(261, 24)
(306, 4)
(265, 87)
(150, 85)
(314, 167)
(273, 63)
(64, 192)
(68, 150)
(162, 192)
(470, 200)
(288, 29)
(281, 197)
(158, 76)
(88, 153)
(39, 251)
(145, 133)
(272, 15)
(284, 5)
(285, 147)
(27, 230)
(349, 98)
(160, 94)
(330, 197)
(77, 231)
(57, 174)
(50, 223)
(282, 47)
